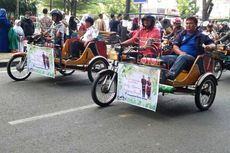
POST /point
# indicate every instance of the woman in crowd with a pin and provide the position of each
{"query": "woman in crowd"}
(20, 35)
(4, 28)
(72, 26)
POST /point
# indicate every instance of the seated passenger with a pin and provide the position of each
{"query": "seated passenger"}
(78, 46)
(187, 46)
(147, 32)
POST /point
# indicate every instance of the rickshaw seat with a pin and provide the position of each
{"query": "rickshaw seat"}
(90, 51)
(190, 77)
(101, 48)
(65, 49)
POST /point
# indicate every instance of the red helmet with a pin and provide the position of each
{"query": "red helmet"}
(177, 21)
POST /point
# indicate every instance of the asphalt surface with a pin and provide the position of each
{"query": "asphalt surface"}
(79, 126)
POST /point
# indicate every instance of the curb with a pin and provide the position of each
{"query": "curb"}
(3, 63)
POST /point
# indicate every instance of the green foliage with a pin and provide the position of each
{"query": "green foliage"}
(94, 6)
(187, 8)
(10, 6)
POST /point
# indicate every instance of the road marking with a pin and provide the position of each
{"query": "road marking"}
(3, 71)
(34, 118)
(6, 71)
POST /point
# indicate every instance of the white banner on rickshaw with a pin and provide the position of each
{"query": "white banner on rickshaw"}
(138, 85)
(41, 60)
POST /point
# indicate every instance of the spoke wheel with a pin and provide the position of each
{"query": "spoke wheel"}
(102, 93)
(95, 67)
(205, 93)
(17, 68)
(66, 72)
(218, 69)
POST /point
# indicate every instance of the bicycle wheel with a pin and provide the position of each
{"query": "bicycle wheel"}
(95, 67)
(17, 68)
(104, 88)
(66, 72)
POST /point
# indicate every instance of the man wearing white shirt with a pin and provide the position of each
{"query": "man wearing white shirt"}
(77, 47)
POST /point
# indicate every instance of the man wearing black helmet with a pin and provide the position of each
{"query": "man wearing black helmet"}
(147, 32)
(57, 29)
(76, 47)
(56, 32)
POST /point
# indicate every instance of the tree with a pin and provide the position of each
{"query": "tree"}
(127, 8)
(187, 8)
(207, 9)
(92, 6)
(24, 5)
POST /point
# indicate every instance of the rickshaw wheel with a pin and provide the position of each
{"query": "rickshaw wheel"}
(96, 66)
(16, 68)
(101, 93)
(218, 69)
(205, 93)
(66, 72)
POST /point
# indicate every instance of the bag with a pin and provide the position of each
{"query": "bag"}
(188, 39)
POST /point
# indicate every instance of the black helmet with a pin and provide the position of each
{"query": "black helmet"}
(57, 13)
(90, 20)
(148, 17)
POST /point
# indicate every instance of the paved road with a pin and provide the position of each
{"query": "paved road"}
(43, 115)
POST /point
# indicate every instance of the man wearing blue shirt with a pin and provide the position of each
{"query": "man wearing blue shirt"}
(187, 46)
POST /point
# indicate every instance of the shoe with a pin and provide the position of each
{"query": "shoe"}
(169, 76)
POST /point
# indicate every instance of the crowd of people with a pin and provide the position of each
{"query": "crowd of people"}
(187, 41)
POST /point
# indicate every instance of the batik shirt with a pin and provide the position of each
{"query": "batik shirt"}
(45, 22)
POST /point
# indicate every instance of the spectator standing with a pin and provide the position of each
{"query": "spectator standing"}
(135, 24)
(72, 25)
(45, 21)
(113, 23)
(119, 26)
(28, 25)
(224, 27)
(211, 32)
(20, 35)
(4, 28)
(100, 23)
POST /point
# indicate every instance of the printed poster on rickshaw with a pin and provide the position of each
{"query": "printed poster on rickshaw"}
(41, 60)
(138, 85)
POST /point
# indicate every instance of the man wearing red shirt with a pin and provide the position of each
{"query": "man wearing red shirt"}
(146, 37)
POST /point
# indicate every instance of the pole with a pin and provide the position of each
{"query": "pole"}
(51, 5)
(140, 9)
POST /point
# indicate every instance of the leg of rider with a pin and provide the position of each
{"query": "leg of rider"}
(169, 60)
(182, 62)
(79, 48)
(75, 48)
